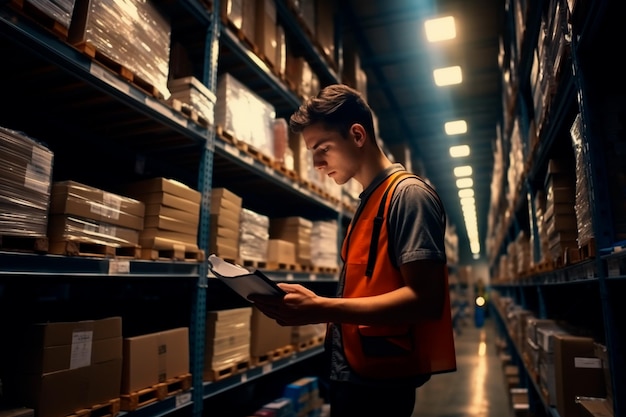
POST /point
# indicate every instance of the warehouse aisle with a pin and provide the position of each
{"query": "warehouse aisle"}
(477, 388)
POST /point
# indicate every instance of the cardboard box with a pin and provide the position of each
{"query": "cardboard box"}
(595, 407)
(73, 198)
(267, 335)
(578, 372)
(281, 251)
(154, 358)
(224, 194)
(68, 366)
(163, 185)
(62, 228)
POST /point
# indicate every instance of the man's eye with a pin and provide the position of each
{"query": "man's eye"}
(326, 149)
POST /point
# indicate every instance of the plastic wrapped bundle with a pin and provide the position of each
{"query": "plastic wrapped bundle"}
(25, 181)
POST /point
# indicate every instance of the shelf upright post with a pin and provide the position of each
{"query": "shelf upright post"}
(198, 320)
(597, 179)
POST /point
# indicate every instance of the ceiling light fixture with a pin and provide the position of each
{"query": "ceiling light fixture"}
(455, 127)
(464, 183)
(463, 171)
(459, 151)
(440, 29)
(448, 76)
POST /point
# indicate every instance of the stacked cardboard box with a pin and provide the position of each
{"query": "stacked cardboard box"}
(267, 337)
(253, 236)
(305, 396)
(154, 358)
(296, 230)
(68, 366)
(191, 91)
(172, 213)
(324, 252)
(83, 213)
(25, 175)
(226, 208)
(227, 344)
(307, 336)
(560, 214)
(139, 43)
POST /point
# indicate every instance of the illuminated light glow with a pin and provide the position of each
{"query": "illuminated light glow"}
(464, 183)
(463, 171)
(456, 127)
(459, 151)
(448, 76)
(440, 29)
(466, 192)
(480, 301)
(468, 200)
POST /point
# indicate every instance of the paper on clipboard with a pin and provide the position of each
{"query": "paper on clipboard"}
(243, 281)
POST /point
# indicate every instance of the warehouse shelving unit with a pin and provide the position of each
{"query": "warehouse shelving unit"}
(583, 293)
(105, 132)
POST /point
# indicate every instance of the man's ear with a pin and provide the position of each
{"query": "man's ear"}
(358, 133)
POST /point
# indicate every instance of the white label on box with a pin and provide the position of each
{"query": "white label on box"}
(587, 362)
(81, 349)
(38, 171)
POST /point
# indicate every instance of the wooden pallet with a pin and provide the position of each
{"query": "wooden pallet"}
(255, 153)
(83, 248)
(272, 355)
(226, 135)
(253, 263)
(280, 266)
(157, 392)
(309, 343)
(172, 254)
(110, 408)
(226, 371)
(38, 244)
(324, 270)
(588, 249)
(121, 70)
(189, 112)
(39, 16)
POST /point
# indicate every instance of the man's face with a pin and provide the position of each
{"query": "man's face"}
(333, 155)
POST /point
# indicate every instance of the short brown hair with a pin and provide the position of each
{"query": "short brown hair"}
(337, 107)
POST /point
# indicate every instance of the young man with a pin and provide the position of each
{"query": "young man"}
(389, 326)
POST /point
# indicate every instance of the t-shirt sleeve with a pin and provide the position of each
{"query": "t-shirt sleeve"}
(417, 224)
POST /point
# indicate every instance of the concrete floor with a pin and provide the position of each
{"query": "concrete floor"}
(477, 388)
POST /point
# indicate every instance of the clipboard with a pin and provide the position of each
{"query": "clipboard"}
(242, 280)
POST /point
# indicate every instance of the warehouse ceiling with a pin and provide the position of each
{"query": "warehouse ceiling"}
(411, 110)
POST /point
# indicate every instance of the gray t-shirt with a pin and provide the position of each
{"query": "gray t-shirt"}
(416, 230)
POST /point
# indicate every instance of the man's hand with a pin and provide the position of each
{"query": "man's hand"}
(298, 307)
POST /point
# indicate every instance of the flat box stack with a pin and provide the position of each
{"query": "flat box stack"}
(253, 236)
(560, 214)
(25, 178)
(296, 230)
(227, 344)
(63, 367)
(140, 42)
(154, 358)
(87, 214)
(172, 213)
(267, 337)
(191, 91)
(226, 209)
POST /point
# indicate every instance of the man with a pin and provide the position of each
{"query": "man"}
(389, 327)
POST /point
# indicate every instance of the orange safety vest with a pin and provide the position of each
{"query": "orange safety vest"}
(421, 348)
